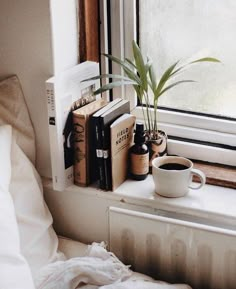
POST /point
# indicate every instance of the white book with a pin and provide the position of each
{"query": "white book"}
(66, 92)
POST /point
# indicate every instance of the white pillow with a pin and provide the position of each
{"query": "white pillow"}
(13, 111)
(14, 270)
(39, 242)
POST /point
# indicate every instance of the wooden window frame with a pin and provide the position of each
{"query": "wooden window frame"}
(88, 11)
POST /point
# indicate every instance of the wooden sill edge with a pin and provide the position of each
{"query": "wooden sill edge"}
(217, 175)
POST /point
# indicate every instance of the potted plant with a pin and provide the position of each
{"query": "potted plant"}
(139, 72)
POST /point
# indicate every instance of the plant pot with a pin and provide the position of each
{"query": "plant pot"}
(157, 147)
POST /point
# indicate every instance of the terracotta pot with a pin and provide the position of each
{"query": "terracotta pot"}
(157, 147)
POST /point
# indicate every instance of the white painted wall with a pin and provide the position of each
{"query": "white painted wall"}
(37, 40)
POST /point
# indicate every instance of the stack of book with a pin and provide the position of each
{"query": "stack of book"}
(103, 133)
(89, 137)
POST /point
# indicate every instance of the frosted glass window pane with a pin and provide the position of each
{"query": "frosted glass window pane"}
(171, 30)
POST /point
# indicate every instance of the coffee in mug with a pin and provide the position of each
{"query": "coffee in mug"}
(172, 176)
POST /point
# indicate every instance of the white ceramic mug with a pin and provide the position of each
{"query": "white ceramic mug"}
(172, 176)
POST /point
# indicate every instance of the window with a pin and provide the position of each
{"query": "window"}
(198, 28)
(199, 118)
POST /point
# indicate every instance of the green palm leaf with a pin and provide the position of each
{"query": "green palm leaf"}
(148, 65)
(114, 76)
(129, 72)
(139, 92)
(112, 85)
(206, 59)
(131, 63)
(165, 77)
(174, 84)
(152, 74)
(140, 65)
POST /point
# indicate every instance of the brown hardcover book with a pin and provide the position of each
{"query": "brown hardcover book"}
(121, 132)
(82, 140)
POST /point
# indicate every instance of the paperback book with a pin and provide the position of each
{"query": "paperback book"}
(97, 145)
(83, 140)
(121, 131)
(65, 93)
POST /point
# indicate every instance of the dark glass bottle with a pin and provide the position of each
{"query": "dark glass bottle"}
(139, 155)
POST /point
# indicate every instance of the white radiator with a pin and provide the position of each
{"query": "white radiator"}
(172, 250)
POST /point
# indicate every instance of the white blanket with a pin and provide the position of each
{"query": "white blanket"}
(98, 269)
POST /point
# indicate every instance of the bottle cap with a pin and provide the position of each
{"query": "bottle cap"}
(139, 127)
(139, 136)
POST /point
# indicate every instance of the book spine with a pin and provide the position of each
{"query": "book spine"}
(52, 133)
(99, 152)
(80, 150)
(106, 157)
(93, 173)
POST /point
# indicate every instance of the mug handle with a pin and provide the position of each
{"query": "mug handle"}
(202, 177)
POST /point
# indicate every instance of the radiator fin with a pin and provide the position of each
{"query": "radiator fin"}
(204, 269)
(178, 256)
(153, 249)
(230, 269)
(127, 242)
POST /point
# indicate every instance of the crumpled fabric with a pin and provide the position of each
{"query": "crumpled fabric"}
(98, 269)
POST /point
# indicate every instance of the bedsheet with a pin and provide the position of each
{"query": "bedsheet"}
(98, 268)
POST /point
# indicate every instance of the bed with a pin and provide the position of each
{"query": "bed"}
(31, 254)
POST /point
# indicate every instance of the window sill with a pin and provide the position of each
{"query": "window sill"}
(211, 205)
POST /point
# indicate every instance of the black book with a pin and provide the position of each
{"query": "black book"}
(106, 119)
(97, 170)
